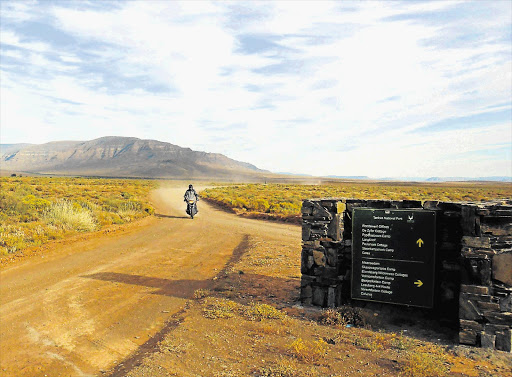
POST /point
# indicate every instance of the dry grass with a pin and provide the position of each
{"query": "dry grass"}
(284, 201)
(426, 361)
(34, 211)
(63, 214)
(215, 308)
(342, 316)
(309, 351)
(250, 325)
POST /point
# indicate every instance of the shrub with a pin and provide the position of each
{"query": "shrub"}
(401, 342)
(331, 317)
(26, 207)
(342, 316)
(65, 215)
(220, 308)
(309, 352)
(286, 200)
(259, 312)
(11, 239)
(428, 361)
(36, 203)
(372, 343)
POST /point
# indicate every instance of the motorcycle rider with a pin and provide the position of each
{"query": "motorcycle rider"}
(191, 194)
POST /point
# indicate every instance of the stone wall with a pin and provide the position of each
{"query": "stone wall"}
(473, 272)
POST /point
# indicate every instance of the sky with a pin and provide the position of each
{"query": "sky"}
(377, 89)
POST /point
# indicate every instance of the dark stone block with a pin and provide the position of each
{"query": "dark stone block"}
(311, 243)
(307, 263)
(471, 252)
(492, 329)
(335, 228)
(379, 204)
(501, 242)
(431, 205)
(487, 340)
(501, 289)
(499, 318)
(470, 325)
(496, 220)
(476, 289)
(319, 258)
(482, 211)
(326, 281)
(452, 214)
(484, 306)
(406, 204)
(332, 257)
(504, 340)
(478, 230)
(468, 310)
(450, 206)
(319, 294)
(478, 271)
(502, 268)
(320, 212)
(331, 244)
(506, 303)
(329, 204)
(306, 280)
(496, 229)
(331, 297)
(318, 232)
(468, 220)
(307, 208)
(477, 297)
(469, 337)
(306, 232)
(326, 272)
(306, 292)
(478, 242)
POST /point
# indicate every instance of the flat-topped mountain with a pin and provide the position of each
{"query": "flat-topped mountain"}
(121, 157)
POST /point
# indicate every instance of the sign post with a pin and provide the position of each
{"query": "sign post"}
(393, 254)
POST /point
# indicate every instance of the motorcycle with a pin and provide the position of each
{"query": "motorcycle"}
(191, 208)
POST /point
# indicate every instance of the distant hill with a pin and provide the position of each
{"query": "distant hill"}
(11, 148)
(122, 157)
(447, 179)
(463, 179)
(348, 177)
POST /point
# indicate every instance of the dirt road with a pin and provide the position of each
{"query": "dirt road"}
(89, 305)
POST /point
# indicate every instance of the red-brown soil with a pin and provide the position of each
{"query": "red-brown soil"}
(126, 303)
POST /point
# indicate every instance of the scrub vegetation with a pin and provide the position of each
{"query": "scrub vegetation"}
(284, 201)
(248, 323)
(35, 210)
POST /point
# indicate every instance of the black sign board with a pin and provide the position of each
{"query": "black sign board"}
(393, 256)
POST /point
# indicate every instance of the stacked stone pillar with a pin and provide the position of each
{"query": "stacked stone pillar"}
(473, 273)
(485, 302)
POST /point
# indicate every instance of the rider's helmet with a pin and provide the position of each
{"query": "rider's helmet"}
(190, 187)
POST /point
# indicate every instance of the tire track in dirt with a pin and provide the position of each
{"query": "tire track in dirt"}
(103, 303)
(135, 360)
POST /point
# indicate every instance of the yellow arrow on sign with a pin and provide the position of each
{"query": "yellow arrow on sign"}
(418, 283)
(420, 242)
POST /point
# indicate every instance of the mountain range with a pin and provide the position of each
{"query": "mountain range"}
(114, 156)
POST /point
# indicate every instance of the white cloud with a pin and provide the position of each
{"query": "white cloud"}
(18, 11)
(344, 75)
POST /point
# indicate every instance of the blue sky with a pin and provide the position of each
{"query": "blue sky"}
(413, 88)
